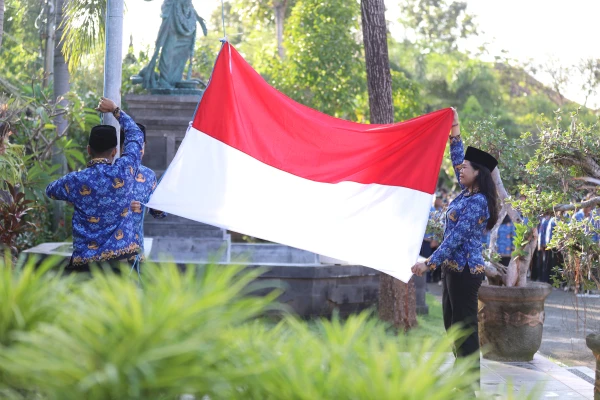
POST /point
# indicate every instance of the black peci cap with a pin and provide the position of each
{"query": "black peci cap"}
(103, 138)
(481, 157)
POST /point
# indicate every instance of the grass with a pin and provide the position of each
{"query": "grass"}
(432, 324)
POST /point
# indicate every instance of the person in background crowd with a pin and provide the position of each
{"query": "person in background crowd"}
(505, 245)
(144, 185)
(552, 256)
(541, 265)
(429, 243)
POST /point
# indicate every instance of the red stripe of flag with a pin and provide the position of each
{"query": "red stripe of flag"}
(244, 112)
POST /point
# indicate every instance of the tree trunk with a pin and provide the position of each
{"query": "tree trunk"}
(50, 43)
(379, 78)
(516, 272)
(1, 21)
(280, 8)
(397, 303)
(61, 79)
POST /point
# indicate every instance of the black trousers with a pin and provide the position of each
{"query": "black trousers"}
(459, 304)
(114, 265)
(542, 261)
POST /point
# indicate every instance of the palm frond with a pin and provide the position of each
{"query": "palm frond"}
(83, 29)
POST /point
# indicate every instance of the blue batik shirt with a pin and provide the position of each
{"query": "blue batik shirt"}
(542, 232)
(101, 196)
(466, 220)
(144, 185)
(506, 234)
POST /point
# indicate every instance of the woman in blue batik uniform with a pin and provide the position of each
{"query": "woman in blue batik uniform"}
(469, 215)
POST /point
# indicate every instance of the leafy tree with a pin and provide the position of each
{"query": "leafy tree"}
(263, 14)
(590, 71)
(21, 51)
(436, 24)
(324, 68)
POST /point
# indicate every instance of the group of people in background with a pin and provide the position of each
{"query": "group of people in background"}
(544, 263)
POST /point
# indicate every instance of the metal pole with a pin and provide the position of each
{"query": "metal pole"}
(113, 59)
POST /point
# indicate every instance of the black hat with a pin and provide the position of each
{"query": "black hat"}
(481, 157)
(142, 128)
(102, 138)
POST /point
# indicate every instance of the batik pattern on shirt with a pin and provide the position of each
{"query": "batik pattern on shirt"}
(466, 220)
(101, 196)
(506, 234)
(144, 185)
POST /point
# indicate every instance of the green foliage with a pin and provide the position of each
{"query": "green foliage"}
(324, 67)
(31, 120)
(523, 235)
(175, 336)
(436, 24)
(487, 134)
(196, 332)
(432, 324)
(406, 97)
(21, 51)
(13, 209)
(30, 296)
(12, 168)
(83, 29)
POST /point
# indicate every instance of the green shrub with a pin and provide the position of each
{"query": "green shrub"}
(202, 332)
(29, 297)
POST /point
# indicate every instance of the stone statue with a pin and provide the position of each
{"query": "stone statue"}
(174, 47)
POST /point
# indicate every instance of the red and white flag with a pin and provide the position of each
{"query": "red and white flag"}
(258, 163)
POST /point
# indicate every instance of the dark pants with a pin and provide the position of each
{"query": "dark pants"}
(114, 265)
(542, 266)
(535, 276)
(505, 261)
(459, 304)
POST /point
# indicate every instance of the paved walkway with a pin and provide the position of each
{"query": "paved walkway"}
(550, 380)
(564, 363)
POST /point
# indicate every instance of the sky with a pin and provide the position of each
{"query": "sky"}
(527, 30)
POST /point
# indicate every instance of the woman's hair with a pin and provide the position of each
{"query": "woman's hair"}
(487, 187)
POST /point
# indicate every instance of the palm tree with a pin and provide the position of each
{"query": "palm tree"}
(82, 29)
(1, 20)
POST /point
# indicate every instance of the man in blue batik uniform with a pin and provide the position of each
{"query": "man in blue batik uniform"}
(101, 195)
(144, 185)
(505, 245)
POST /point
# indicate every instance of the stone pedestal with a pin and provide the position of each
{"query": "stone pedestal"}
(166, 119)
(593, 342)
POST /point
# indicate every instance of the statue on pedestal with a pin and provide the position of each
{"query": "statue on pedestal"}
(174, 47)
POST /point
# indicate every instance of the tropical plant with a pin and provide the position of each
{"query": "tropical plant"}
(13, 210)
(563, 173)
(31, 294)
(197, 332)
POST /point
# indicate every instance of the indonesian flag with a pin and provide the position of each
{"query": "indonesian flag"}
(256, 162)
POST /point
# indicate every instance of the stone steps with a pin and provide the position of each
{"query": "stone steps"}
(189, 250)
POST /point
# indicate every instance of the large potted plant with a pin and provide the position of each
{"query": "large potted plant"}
(563, 167)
